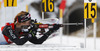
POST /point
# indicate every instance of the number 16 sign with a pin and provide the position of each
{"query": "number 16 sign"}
(48, 5)
(90, 9)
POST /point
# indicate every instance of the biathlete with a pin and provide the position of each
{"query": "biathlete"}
(14, 32)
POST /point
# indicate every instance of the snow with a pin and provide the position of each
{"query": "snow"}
(73, 44)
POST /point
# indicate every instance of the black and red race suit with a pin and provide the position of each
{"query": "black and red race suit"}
(9, 36)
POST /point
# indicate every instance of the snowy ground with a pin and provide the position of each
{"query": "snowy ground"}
(53, 44)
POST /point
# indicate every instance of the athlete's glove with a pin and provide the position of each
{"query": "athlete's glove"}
(32, 31)
(55, 27)
(51, 30)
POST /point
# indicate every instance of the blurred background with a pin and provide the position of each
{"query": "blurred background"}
(73, 13)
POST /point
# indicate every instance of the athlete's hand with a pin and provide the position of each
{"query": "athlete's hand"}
(55, 27)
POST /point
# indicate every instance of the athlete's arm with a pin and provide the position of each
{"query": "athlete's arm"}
(7, 31)
(34, 39)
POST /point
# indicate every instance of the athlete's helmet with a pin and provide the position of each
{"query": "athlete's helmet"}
(23, 18)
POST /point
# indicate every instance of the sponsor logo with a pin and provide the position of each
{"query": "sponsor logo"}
(12, 35)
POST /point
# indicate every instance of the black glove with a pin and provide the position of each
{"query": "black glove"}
(32, 31)
(55, 27)
(51, 30)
